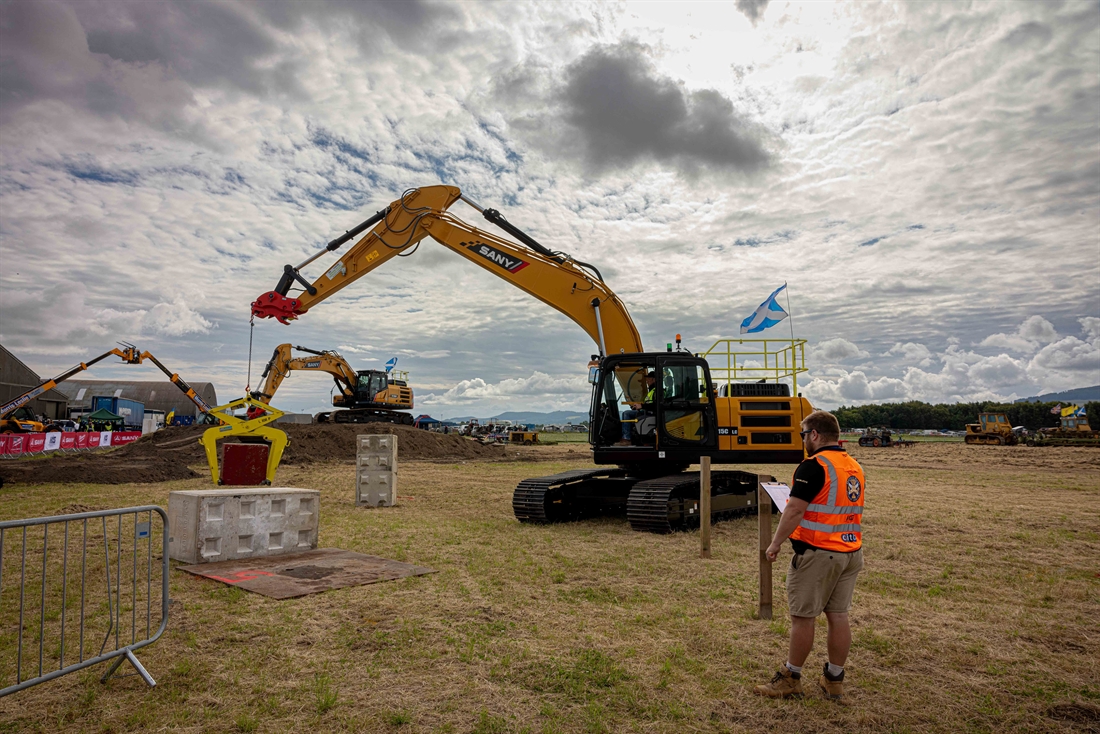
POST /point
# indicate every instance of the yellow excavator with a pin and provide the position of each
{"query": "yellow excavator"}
(644, 452)
(17, 417)
(366, 396)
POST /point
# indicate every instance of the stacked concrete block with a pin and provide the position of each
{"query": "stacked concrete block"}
(376, 471)
(210, 525)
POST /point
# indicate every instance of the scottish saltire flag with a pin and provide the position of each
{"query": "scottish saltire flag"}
(391, 364)
(768, 313)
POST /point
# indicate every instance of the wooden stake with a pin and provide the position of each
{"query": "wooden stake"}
(764, 512)
(704, 507)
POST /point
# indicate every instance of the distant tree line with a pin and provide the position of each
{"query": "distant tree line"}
(915, 414)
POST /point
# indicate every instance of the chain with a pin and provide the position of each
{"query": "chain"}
(251, 329)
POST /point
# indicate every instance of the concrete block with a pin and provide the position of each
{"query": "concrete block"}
(383, 443)
(209, 525)
(376, 488)
(376, 470)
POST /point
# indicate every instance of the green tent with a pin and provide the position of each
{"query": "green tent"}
(102, 419)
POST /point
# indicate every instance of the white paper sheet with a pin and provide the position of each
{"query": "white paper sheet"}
(779, 493)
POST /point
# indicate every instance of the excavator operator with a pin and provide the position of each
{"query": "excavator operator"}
(637, 410)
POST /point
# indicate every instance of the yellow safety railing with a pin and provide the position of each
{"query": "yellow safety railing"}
(757, 359)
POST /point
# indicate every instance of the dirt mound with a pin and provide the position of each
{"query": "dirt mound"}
(175, 453)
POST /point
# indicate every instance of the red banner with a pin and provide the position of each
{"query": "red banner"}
(93, 439)
(17, 442)
(81, 440)
(68, 441)
(120, 437)
(35, 442)
(3, 443)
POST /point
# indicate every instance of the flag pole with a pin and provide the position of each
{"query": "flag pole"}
(790, 319)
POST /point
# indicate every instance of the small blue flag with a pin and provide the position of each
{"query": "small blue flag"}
(769, 313)
(391, 364)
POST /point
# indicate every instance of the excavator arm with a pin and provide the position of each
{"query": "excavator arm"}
(574, 288)
(128, 354)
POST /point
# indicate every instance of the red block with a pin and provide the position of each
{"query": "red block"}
(17, 443)
(68, 441)
(3, 443)
(35, 442)
(82, 440)
(244, 464)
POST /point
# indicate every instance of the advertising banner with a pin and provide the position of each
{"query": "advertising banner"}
(35, 442)
(81, 440)
(104, 438)
(16, 443)
(53, 441)
(3, 443)
(68, 441)
(122, 437)
(93, 439)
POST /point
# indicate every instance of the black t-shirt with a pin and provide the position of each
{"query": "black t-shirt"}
(809, 479)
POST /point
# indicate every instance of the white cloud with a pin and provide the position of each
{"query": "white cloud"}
(836, 350)
(1028, 337)
(539, 384)
(911, 352)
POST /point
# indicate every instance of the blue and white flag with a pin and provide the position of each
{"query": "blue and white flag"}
(391, 364)
(768, 313)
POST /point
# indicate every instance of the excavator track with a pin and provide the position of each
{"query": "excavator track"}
(559, 497)
(671, 503)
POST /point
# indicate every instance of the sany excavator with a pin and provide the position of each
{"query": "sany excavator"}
(15, 417)
(679, 417)
(367, 396)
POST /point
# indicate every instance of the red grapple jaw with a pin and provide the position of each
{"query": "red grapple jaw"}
(271, 305)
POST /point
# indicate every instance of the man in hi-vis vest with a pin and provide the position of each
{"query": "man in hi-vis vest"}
(822, 520)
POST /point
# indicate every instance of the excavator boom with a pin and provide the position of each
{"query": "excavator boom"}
(570, 286)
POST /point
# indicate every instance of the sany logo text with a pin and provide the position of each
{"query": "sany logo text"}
(503, 259)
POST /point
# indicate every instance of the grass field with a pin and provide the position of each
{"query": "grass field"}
(979, 610)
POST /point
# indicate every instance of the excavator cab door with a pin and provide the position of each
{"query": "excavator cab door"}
(687, 415)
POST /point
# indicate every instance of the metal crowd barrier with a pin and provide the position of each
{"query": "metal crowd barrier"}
(85, 597)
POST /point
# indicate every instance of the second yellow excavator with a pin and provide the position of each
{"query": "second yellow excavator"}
(366, 396)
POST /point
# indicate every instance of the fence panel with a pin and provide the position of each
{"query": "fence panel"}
(78, 590)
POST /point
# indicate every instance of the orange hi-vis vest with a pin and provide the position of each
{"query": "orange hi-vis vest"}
(832, 521)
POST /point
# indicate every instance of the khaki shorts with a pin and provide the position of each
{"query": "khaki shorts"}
(821, 580)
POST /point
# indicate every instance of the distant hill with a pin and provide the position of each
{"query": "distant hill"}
(1076, 395)
(554, 418)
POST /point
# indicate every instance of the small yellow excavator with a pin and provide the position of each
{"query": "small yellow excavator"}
(366, 396)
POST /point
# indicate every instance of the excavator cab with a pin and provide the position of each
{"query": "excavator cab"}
(652, 407)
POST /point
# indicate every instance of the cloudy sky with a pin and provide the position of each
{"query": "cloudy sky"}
(924, 176)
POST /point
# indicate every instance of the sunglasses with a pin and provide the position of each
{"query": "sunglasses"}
(803, 434)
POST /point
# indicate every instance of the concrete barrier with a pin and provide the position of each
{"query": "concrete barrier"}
(211, 525)
(376, 471)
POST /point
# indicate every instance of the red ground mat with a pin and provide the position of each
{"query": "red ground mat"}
(290, 576)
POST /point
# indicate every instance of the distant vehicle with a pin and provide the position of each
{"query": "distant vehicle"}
(66, 425)
(992, 429)
(876, 437)
(1073, 431)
